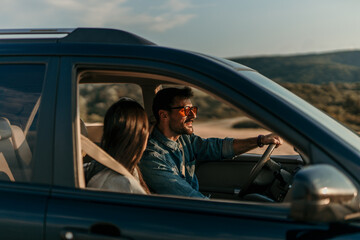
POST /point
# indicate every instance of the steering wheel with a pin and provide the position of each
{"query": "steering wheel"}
(256, 169)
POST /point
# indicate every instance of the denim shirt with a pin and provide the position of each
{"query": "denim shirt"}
(163, 167)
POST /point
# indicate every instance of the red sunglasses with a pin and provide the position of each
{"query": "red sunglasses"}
(185, 111)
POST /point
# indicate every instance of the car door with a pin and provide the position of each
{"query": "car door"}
(75, 212)
(27, 88)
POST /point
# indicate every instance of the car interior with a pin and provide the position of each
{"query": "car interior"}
(16, 147)
(250, 176)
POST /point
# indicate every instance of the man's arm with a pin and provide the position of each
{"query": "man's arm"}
(244, 145)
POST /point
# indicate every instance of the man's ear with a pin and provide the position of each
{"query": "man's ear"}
(163, 114)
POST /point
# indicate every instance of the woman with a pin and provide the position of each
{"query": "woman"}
(126, 130)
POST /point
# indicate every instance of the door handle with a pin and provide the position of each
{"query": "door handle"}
(99, 231)
(76, 235)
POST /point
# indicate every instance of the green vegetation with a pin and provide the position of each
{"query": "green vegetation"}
(246, 124)
(339, 100)
(95, 99)
(329, 81)
(211, 108)
(312, 68)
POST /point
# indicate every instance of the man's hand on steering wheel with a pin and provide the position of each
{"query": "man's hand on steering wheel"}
(241, 146)
(273, 141)
(271, 138)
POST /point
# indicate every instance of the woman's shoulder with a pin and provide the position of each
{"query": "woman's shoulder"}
(110, 180)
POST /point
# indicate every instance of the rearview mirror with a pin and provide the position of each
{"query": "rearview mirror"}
(321, 193)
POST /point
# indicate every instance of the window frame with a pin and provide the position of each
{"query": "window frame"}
(42, 156)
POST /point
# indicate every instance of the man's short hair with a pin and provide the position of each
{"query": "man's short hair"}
(164, 99)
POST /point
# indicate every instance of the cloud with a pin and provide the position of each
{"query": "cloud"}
(160, 16)
(177, 5)
(166, 21)
(65, 4)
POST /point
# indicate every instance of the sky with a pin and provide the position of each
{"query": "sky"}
(223, 28)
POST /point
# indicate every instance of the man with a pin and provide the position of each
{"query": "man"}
(168, 163)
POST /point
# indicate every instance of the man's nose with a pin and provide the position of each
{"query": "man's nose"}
(192, 114)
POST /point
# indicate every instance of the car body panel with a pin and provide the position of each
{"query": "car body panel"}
(144, 217)
(23, 211)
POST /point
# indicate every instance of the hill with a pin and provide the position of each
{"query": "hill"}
(337, 67)
(330, 81)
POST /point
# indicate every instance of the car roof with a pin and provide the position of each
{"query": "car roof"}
(76, 35)
(44, 41)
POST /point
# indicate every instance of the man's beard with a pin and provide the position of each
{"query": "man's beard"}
(181, 129)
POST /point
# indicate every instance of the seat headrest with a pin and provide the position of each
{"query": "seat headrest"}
(83, 128)
(5, 129)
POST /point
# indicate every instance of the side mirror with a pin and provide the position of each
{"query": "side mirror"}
(321, 193)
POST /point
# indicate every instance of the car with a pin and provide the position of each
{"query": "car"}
(53, 79)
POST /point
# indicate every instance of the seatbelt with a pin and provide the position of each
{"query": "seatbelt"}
(105, 159)
(32, 116)
(4, 167)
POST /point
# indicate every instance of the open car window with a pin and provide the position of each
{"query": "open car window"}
(96, 98)
(220, 119)
(215, 119)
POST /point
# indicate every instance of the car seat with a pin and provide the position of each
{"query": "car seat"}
(15, 154)
(7, 153)
(22, 151)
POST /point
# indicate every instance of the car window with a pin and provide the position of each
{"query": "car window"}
(95, 100)
(219, 119)
(215, 119)
(21, 87)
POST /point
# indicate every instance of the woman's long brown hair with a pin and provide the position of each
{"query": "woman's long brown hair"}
(126, 129)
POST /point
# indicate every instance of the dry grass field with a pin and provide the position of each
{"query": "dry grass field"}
(222, 128)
